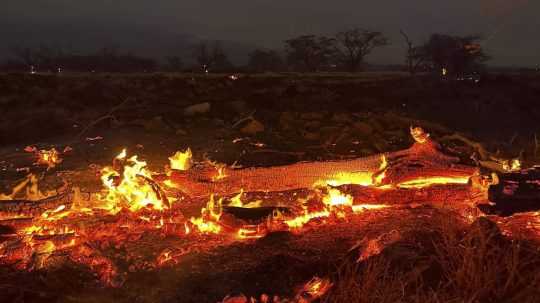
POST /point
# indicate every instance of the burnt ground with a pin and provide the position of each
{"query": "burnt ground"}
(296, 117)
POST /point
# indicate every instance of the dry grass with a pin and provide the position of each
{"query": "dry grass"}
(446, 264)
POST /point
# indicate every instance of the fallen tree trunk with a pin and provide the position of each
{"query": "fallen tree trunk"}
(422, 160)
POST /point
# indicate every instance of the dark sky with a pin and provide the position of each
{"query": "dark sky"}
(164, 27)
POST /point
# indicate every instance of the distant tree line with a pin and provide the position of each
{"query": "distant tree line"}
(347, 50)
(47, 59)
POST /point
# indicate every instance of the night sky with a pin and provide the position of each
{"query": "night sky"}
(166, 27)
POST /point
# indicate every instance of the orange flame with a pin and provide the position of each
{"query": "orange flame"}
(181, 160)
(207, 223)
(134, 190)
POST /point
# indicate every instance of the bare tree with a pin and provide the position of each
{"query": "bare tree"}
(25, 55)
(211, 58)
(355, 44)
(415, 56)
(309, 52)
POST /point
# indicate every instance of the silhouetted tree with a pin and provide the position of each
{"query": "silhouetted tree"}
(457, 55)
(309, 52)
(261, 60)
(48, 59)
(355, 44)
(25, 55)
(211, 58)
(44, 58)
(415, 56)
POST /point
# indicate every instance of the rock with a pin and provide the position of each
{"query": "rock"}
(197, 109)
(252, 127)
(181, 132)
(237, 106)
(362, 128)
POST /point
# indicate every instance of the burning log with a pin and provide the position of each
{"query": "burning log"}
(16, 208)
(516, 192)
(422, 164)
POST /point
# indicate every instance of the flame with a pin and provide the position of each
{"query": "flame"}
(207, 223)
(221, 171)
(337, 198)
(514, 165)
(51, 158)
(250, 232)
(314, 289)
(181, 160)
(419, 135)
(236, 201)
(134, 190)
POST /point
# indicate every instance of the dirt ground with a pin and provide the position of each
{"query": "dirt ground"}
(254, 121)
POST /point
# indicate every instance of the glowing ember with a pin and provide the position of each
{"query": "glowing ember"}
(364, 178)
(364, 207)
(425, 182)
(419, 135)
(314, 289)
(251, 232)
(221, 174)
(236, 201)
(513, 165)
(49, 158)
(336, 198)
